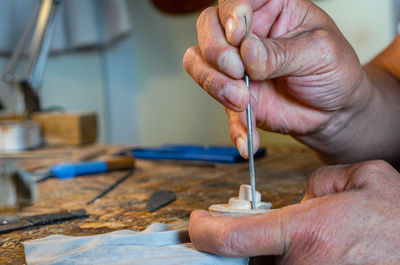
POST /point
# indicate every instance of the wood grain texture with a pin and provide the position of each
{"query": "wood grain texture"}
(281, 178)
(61, 128)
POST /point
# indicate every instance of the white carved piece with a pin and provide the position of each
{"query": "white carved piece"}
(241, 205)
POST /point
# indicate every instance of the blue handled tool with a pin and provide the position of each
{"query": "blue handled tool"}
(70, 170)
(216, 154)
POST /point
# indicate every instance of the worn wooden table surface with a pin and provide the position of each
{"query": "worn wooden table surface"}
(281, 178)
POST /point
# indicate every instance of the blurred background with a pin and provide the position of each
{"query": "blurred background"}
(136, 83)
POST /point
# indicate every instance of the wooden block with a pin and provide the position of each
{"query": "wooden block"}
(6, 116)
(67, 128)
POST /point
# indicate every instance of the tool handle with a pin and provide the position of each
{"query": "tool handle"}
(70, 170)
(120, 163)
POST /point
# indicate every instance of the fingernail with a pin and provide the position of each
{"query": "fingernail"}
(229, 28)
(241, 144)
(233, 94)
(231, 64)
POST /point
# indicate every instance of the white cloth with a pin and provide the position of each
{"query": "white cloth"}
(155, 245)
(80, 24)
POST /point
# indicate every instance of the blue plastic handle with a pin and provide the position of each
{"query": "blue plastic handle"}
(70, 170)
(219, 154)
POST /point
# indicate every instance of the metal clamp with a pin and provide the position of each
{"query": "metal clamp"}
(38, 34)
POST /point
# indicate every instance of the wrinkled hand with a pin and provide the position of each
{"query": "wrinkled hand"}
(349, 215)
(305, 74)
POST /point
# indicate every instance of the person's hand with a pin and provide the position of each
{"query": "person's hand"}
(306, 78)
(349, 215)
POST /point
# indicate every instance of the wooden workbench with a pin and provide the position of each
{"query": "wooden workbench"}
(281, 178)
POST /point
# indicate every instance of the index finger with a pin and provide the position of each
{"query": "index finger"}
(232, 15)
(214, 47)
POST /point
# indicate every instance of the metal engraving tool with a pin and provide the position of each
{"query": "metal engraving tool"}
(250, 142)
(250, 148)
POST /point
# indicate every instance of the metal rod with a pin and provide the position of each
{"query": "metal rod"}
(38, 36)
(250, 142)
(250, 148)
(110, 188)
(9, 73)
(41, 43)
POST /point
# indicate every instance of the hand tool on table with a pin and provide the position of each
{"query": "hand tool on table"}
(250, 141)
(214, 154)
(70, 170)
(110, 188)
(42, 219)
(160, 199)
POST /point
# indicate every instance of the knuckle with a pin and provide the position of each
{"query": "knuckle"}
(211, 52)
(378, 172)
(188, 59)
(278, 57)
(327, 44)
(204, 15)
(210, 11)
(318, 176)
(317, 173)
(207, 81)
(313, 179)
(224, 9)
(375, 166)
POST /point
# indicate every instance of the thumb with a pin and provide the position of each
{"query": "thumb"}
(288, 55)
(271, 233)
(237, 237)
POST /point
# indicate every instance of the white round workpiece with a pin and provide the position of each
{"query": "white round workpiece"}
(241, 206)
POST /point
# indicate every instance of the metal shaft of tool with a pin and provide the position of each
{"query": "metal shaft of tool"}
(250, 148)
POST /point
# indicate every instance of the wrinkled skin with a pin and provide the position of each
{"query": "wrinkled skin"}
(307, 82)
(349, 215)
(304, 72)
